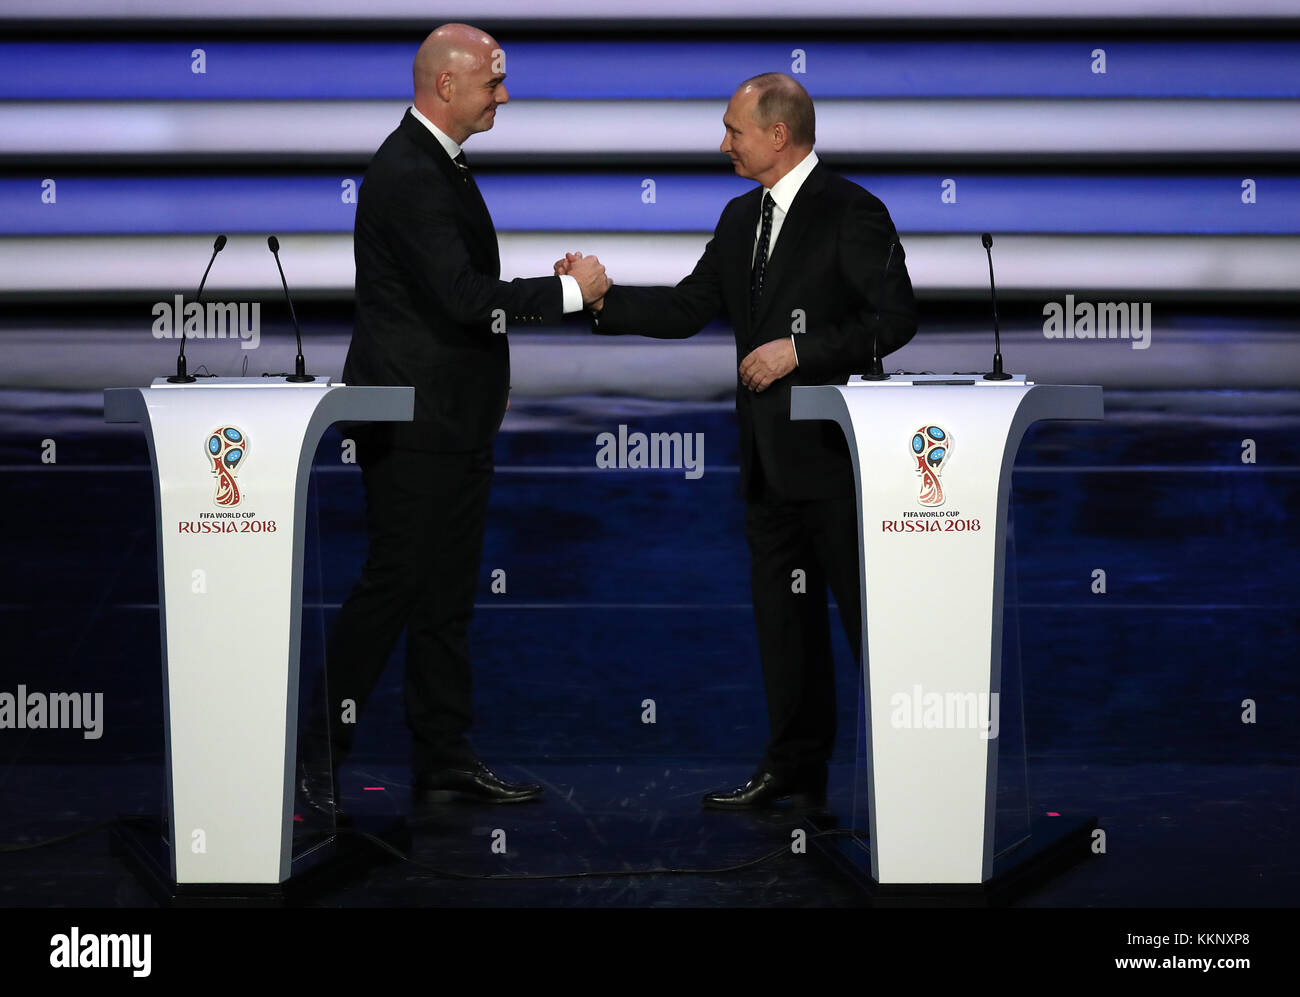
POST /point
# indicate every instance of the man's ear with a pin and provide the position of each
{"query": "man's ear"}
(444, 85)
(780, 136)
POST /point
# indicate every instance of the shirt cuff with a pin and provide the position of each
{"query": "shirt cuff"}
(572, 293)
(796, 351)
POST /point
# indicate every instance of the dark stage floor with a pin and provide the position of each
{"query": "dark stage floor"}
(628, 585)
(1201, 836)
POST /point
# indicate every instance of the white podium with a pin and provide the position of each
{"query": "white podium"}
(231, 461)
(932, 457)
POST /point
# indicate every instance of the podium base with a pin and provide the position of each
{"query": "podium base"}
(1054, 845)
(324, 864)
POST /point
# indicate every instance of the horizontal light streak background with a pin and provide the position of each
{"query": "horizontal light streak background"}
(554, 364)
(657, 128)
(1053, 203)
(938, 264)
(334, 70)
(481, 11)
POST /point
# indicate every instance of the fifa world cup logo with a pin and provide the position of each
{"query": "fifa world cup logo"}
(931, 446)
(226, 448)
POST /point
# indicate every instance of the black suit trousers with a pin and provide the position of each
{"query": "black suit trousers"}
(425, 519)
(818, 537)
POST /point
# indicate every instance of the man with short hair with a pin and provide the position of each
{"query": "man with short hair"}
(809, 271)
(431, 311)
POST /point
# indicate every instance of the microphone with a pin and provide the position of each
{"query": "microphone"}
(181, 376)
(877, 371)
(299, 375)
(997, 373)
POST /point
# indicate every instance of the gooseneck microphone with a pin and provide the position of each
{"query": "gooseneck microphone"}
(299, 375)
(997, 373)
(181, 376)
(877, 371)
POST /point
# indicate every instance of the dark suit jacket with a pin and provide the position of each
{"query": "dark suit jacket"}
(428, 289)
(829, 264)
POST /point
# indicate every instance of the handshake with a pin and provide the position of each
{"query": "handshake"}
(590, 275)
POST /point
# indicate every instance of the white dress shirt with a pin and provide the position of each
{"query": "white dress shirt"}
(783, 192)
(572, 292)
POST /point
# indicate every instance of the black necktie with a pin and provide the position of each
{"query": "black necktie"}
(757, 274)
(466, 177)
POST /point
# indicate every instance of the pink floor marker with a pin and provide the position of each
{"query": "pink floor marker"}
(377, 789)
(1052, 813)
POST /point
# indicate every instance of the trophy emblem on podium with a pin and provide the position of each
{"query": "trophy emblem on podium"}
(226, 448)
(931, 446)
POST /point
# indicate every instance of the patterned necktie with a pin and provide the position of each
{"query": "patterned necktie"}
(759, 271)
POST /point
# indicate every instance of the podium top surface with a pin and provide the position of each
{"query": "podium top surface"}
(322, 381)
(331, 399)
(843, 403)
(906, 380)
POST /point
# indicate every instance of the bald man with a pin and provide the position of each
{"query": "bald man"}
(808, 270)
(431, 311)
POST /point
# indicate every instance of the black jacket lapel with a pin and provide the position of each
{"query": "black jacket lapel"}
(468, 193)
(786, 251)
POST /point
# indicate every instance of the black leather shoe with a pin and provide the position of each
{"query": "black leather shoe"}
(317, 799)
(471, 782)
(765, 790)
